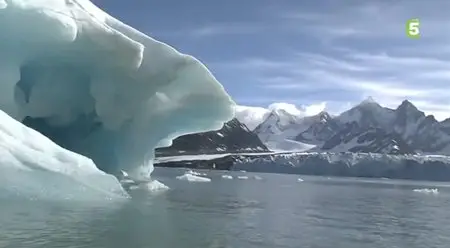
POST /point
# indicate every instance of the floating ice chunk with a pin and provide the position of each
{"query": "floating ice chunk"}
(257, 177)
(195, 173)
(193, 178)
(300, 180)
(152, 186)
(243, 177)
(227, 177)
(427, 191)
(156, 185)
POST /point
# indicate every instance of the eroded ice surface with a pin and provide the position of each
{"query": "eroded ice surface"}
(32, 166)
(99, 87)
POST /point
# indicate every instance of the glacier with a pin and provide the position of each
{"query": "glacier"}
(98, 88)
(348, 164)
(345, 164)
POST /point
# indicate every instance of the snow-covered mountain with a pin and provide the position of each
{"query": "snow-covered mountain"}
(233, 137)
(368, 114)
(284, 131)
(367, 127)
(279, 129)
(353, 138)
(321, 128)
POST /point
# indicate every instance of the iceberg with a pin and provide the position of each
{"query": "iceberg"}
(97, 87)
(33, 166)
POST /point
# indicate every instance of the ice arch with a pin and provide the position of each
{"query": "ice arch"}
(99, 87)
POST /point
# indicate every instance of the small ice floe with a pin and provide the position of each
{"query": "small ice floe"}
(193, 178)
(151, 185)
(227, 177)
(257, 177)
(300, 180)
(195, 173)
(243, 177)
(155, 185)
(427, 191)
(243, 171)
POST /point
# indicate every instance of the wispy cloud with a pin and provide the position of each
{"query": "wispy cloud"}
(385, 60)
(215, 29)
(302, 110)
(225, 29)
(329, 62)
(253, 64)
(253, 116)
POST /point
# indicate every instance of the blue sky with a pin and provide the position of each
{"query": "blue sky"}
(321, 54)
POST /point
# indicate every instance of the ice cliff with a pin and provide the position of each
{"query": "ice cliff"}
(100, 88)
(417, 167)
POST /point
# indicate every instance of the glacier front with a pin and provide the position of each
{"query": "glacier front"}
(100, 88)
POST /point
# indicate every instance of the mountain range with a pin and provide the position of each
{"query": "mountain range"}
(233, 137)
(366, 128)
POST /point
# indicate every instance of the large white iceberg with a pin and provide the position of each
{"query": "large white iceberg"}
(98, 87)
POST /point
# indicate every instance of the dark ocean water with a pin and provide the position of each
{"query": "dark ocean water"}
(270, 211)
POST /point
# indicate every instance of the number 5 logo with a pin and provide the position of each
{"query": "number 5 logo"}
(412, 28)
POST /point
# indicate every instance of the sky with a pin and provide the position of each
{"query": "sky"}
(315, 55)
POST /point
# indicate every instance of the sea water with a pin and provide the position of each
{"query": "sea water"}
(268, 210)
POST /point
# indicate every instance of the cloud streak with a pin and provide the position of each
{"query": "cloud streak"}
(211, 30)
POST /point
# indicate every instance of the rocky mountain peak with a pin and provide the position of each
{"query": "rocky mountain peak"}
(323, 116)
(407, 106)
(368, 101)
